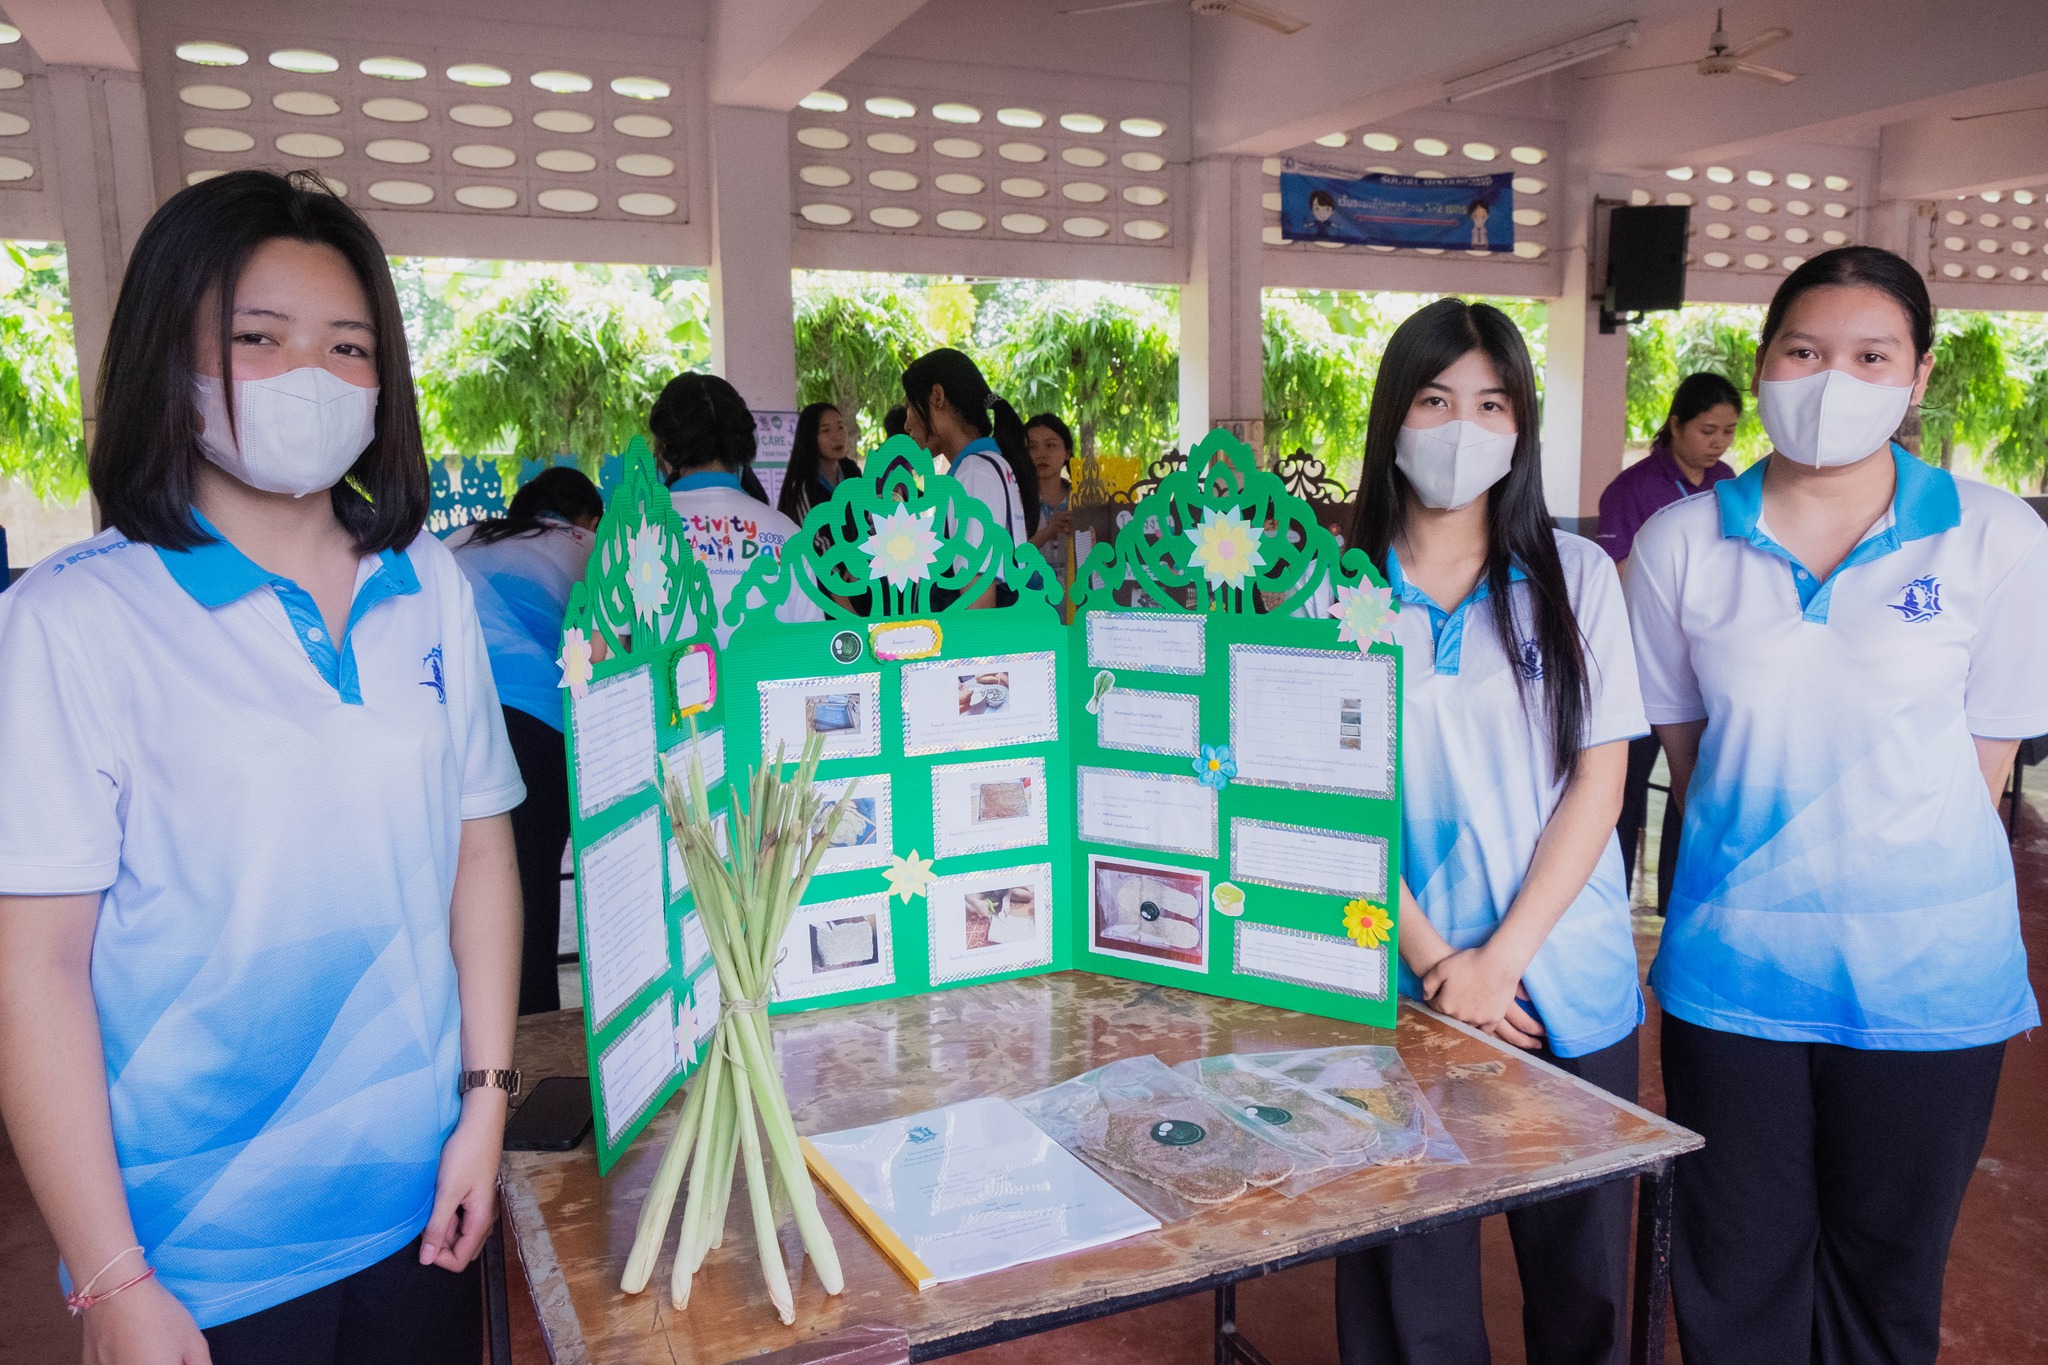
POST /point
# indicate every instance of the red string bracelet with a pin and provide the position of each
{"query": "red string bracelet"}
(78, 1303)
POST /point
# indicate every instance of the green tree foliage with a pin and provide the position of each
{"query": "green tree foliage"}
(854, 337)
(1318, 385)
(1102, 355)
(42, 439)
(548, 360)
(1972, 396)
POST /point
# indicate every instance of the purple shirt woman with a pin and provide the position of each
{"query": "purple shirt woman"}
(1684, 460)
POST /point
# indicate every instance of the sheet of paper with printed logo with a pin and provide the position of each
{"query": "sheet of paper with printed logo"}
(972, 1188)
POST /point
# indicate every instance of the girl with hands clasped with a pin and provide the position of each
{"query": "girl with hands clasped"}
(259, 917)
(1520, 698)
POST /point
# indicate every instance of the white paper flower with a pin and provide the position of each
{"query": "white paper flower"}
(646, 576)
(1365, 614)
(1227, 549)
(903, 547)
(908, 875)
(575, 662)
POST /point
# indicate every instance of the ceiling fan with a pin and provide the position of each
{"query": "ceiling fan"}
(1997, 113)
(1723, 57)
(1239, 9)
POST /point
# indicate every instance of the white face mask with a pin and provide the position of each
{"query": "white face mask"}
(300, 431)
(1451, 465)
(1830, 418)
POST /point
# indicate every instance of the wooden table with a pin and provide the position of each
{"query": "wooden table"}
(1530, 1131)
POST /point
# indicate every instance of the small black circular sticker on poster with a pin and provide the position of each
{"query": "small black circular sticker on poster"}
(847, 646)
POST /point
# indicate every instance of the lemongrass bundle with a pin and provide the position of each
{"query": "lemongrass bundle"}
(744, 900)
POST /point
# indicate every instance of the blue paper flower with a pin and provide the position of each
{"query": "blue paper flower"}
(1216, 766)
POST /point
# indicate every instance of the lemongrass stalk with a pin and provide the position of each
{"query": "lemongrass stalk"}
(758, 1197)
(661, 1195)
(756, 1058)
(715, 1117)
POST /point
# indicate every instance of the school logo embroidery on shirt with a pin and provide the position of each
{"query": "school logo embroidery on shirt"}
(1529, 662)
(434, 678)
(1919, 600)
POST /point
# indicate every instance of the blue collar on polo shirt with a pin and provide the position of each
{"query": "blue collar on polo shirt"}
(216, 573)
(1924, 503)
(1446, 628)
(704, 478)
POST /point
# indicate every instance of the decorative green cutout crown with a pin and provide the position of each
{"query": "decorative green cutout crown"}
(1220, 534)
(644, 589)
(900, 532)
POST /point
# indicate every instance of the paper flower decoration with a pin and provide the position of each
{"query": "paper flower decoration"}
(1368, 925)
(575, 662)
(1216, 766)
(908, 875)
(903, 547)
(646, 575)
(1227, 549)
(1365, 614)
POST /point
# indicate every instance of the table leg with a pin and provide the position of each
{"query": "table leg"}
(1231, 1346)
(497, 1308)
(1653, 1266)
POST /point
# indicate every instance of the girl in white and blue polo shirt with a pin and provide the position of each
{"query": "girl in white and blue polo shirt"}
(259, 924)
(1840, 650)
(1519, 701)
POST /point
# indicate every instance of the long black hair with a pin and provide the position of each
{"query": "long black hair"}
(700, 421)
(802, 486)
(563, 492)
(1698, 393)
(1869, 266)
(960, 379)
(145, 445)
(1519, 529)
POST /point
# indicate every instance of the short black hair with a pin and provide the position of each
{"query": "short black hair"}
(892, 421)
(559, 491)
(1055, 424)
(1697, 393)
(1323, 197)
(699, 421)
(1869, 266)
(145, 443)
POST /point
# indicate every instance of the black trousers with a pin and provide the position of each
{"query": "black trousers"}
(396, 1312)
(1416, 1301)
(540, 831)
(1814, 1226)
(1635, 810)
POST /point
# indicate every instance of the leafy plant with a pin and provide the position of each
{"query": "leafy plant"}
(554, 362)
(854, 338)
(42, 436)
(1105, 355)
(1972, 397)
(1318, 386)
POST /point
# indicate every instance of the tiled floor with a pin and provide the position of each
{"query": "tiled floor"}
(1996, 1313)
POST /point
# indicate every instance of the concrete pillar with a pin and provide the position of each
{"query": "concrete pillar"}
(99, 146)
(753, 334)
(1585, 385)
(1222, 356)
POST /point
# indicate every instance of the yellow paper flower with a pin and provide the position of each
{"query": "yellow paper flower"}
(1368, 925)
(1227, 549)
(908, 876)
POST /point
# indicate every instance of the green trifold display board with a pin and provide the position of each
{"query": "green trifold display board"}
(1195, 782)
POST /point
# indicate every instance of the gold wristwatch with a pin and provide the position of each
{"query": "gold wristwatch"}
(507, 1081)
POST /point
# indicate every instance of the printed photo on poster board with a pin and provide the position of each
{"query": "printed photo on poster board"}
(862, 838)
(1324, 962)
(637, 1064)
(1170, 812)
(979, 703)
(613, 726)
(1317, 720)
(988, 922)
(846, 710)
(1148, 912)
(836, 946)
(981, 807)
(1148, 641)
